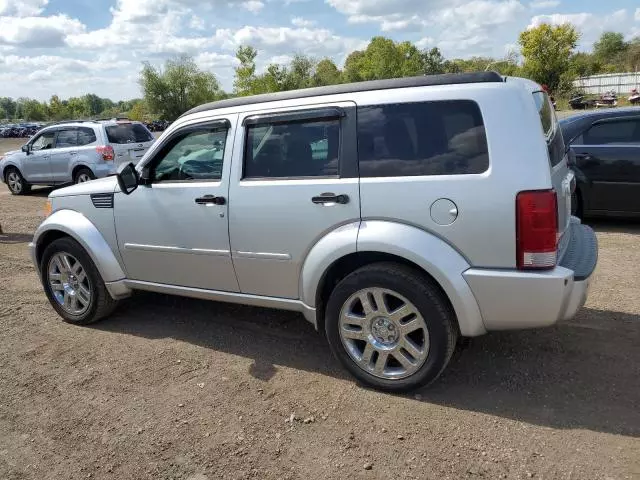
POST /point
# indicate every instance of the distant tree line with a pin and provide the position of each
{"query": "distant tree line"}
(547, 54)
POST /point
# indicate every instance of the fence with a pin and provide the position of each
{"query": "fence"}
(621, 83)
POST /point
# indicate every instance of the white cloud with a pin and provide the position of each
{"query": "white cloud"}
(41, 32)
(637, 15)
(301, 22)
(22, 8)
(541, 4)
(254, 6)
(196, 23)
(425, 42)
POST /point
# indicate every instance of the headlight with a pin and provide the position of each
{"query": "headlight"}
(47, 208)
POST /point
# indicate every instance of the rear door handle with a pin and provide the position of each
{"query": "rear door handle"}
(211, 200)
(330, 198)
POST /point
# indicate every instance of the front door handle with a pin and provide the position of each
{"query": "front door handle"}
(330, 198)
(211, 200)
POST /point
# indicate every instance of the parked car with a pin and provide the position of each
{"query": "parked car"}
(396, 215)
(74, 152)
(606, 160)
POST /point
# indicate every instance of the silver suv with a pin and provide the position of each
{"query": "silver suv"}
(396, 215)
(74, 152)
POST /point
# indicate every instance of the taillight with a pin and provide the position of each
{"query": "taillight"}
(536, 229)
(107, 152)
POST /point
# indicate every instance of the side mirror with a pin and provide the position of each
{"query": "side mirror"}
(128, 178)
(26, 148)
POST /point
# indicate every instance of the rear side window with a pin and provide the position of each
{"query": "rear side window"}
(615, 132)
(86, 136)
(128, 133)
(67, 138)
(427, 138)
(552, 133)
(292, 149)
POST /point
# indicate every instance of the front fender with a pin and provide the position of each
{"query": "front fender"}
(435, 257)
(86, 234)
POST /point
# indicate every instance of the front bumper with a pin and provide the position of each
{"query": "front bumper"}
(510, 299)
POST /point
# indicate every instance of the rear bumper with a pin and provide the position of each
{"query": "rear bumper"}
(510, 299)
(105, 169)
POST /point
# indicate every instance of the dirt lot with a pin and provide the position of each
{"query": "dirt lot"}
(174, 388)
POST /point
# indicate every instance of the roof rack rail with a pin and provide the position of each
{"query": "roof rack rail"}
(72, 121)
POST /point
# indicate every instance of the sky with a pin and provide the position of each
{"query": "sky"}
(74, 47)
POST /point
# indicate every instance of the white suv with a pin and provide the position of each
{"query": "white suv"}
(74, 152)
(396, 215)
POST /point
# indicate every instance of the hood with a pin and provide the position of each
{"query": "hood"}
(102, 185)
(12, 152)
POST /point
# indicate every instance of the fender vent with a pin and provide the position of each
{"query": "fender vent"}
(102, 200)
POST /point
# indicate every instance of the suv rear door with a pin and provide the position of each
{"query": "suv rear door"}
(608, 154)
(297, 182)
(130, 141)
(65, 148)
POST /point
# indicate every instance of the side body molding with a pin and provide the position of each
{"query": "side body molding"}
(86, 234)
(435, 257)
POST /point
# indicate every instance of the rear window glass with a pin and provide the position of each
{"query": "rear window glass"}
(86, 136)
(128, 133)
(67, 138)
(427, 138)
(553, 134)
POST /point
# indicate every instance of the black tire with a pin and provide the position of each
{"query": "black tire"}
(101, 304)
(425, 295)
(82, 173)
(16, 182)
(576, 204)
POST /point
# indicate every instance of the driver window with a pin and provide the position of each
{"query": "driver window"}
(44, 141)
(196, 155)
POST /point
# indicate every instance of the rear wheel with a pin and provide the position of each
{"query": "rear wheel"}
(16, 182)
(73, 284)
(83, 175)
(391, 327)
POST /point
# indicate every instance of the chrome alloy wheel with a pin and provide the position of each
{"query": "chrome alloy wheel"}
(83, 177)
(69, 283)
(14, 181)
(384, 333)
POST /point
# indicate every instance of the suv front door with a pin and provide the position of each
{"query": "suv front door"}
(36, 166)
(174, 230)
(297, 182)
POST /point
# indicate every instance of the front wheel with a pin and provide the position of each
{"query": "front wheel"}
(73, 284)
(391, 327)
(16, 182)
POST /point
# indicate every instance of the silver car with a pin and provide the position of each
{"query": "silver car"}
(397, 216)
(74, 152)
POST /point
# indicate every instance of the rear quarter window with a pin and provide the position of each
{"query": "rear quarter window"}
(128, 133)
(552, 132)
(425, 138)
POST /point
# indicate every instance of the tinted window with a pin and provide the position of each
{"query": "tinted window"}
(86, 136)
(128, 133)
(297, 149)
(622, 131)
(67, 138)
(429, 138)
(44, 141)
(197, 155)
(553, 135)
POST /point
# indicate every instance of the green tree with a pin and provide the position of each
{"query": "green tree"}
(138, 111)
(326, 73)
(245, 73)
(584, 64)
(433, 61)
(30, 110)
(547, 52)
(3, 113)
(631, 59)
(181, 85)
(57, 109)
(610, 47)
(9, 106)
(299, 72)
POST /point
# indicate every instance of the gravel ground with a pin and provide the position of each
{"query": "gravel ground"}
(174, 388)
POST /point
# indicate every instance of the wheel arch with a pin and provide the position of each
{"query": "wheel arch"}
(69, 223)
(77, 168)
(7, 167)
(345, 250)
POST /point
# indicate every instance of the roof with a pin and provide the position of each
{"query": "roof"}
(601, 113)
(421, 81)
